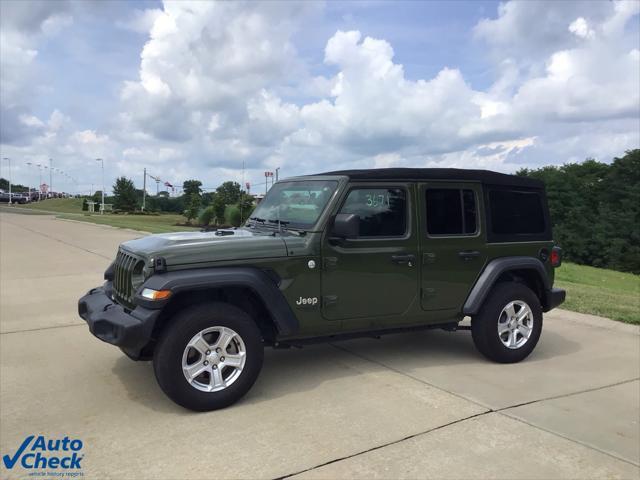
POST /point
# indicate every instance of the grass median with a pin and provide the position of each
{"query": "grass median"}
(71, 209)
(163, 223)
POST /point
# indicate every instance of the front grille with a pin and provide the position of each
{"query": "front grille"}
(122, 272)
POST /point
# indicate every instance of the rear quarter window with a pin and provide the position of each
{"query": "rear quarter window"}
(517, 214)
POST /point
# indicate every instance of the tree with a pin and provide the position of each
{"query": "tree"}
(125, 196)
(229, 192)
(219, 207)
(190, 187)
(595, 210)
(245, 206)
(192, 207)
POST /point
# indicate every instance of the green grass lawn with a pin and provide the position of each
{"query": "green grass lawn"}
(56, 205)
(148, 223)
(601, 292)
(71, 209)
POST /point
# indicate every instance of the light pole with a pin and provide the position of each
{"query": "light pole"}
(144, 190)
(102, 163)
(51, 177)
(10, 194)
(39, 165)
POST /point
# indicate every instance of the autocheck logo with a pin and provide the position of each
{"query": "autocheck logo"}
(38, 452)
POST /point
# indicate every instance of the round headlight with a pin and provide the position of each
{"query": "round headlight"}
(137, 276)
(146, 271)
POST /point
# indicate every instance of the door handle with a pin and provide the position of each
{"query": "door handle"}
(409, 260)
(468, 254)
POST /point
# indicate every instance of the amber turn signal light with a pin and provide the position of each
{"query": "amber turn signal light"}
(151, 294)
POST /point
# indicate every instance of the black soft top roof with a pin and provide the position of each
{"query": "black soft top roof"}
(456, 174)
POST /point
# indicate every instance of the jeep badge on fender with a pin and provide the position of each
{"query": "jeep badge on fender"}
(307, 301)
(403, 248)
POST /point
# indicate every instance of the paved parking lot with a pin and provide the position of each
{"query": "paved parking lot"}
(407, 406)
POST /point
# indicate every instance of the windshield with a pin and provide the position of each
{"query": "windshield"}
(294, 204)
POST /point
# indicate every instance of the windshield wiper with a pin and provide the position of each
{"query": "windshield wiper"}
(284, 223)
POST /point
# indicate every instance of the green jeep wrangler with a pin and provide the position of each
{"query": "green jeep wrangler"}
(329, 256)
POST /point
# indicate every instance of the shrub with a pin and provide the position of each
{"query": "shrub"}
(232, 215)
(206, 216)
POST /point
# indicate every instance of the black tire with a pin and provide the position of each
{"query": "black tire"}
(167, 359)
(484, 325)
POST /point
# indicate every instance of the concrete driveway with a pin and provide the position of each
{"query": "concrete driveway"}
(407, 406)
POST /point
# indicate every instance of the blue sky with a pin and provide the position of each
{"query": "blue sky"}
(197, 89)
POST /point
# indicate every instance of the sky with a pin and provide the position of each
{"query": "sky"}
(228, 90)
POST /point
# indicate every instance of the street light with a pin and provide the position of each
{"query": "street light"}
(102, 163)
(51, 169)
(39, 165)
(10, 194)
(48, 186)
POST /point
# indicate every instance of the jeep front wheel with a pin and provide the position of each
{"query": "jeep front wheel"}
(509, 324)
(209, 356)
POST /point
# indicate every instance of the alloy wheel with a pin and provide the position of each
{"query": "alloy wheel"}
(515, 324)
(213, 359)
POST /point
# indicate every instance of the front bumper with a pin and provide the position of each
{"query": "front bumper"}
(110, 322)
(553, 297)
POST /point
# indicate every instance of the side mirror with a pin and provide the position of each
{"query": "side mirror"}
(346, 226)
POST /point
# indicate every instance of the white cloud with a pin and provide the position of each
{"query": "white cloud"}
(89, 137)
(580, 27)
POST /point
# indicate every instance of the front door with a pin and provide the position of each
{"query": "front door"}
(375, 274)
(452, 241)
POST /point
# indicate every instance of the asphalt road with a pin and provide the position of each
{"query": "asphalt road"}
(407, 406)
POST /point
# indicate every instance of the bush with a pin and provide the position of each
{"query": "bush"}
(206, 216)
(232, 215)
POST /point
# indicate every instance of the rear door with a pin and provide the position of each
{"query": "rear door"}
(376, 274)
(452, 240)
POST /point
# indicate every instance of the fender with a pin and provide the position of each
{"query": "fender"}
(263, 285)
(492, 272)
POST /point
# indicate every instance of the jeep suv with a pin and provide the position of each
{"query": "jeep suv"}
(330, 256)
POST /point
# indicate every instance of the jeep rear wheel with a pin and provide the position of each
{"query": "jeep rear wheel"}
(209, 356)
(509, 324)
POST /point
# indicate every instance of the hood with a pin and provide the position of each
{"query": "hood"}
(204, 247)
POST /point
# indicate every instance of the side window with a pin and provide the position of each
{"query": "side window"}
(451, 211)
(516, 212)
(382, 211)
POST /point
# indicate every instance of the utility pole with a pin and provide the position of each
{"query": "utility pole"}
(10, 194)
(102, 163)
(144, 189)
(51, 177)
